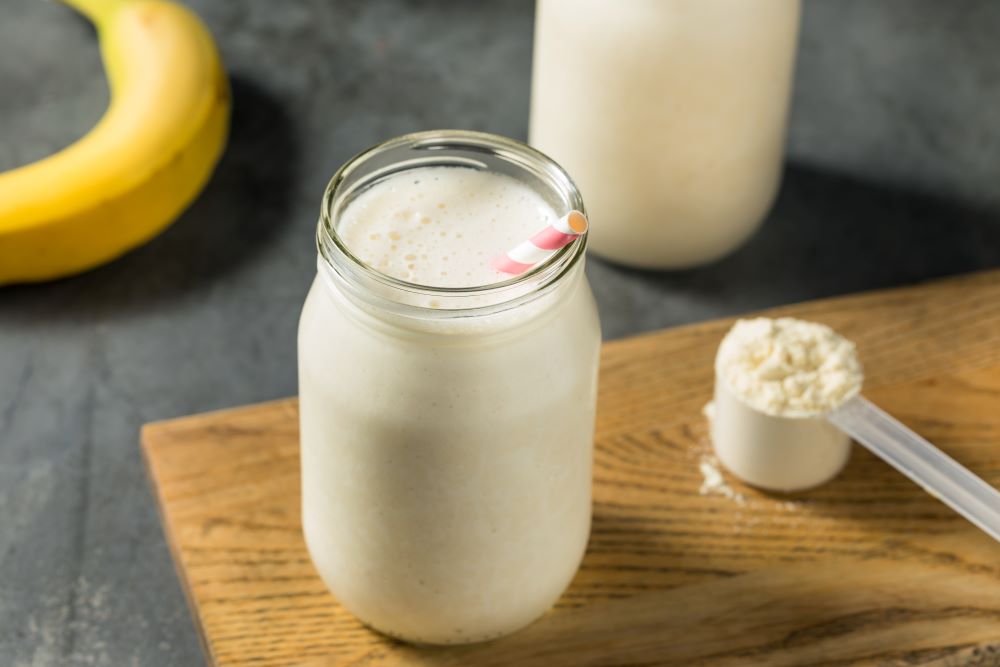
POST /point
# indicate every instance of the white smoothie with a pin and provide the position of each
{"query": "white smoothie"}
(441, 226)
(446, 463)
(670, 114)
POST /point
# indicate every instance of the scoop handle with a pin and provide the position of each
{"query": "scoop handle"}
(938, 474)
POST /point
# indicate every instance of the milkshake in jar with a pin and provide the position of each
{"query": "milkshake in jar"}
(670, 114)
(447, 409)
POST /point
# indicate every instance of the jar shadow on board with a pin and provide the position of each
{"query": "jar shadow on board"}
(447, 432)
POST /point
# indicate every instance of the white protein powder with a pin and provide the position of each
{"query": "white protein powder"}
(775, 380)
(789, 367)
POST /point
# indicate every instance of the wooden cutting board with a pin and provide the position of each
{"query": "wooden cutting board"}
(865, 570)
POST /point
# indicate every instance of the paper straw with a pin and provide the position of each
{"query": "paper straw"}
(542, 245)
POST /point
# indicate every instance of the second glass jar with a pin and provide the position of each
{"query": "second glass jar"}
(671, 116)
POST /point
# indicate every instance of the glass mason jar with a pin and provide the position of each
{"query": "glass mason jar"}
(670, 114)
(447, 433)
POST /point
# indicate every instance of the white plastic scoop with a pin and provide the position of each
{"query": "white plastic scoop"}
(787, 403)
(936, 472)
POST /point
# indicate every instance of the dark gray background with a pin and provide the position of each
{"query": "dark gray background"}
(893, 177)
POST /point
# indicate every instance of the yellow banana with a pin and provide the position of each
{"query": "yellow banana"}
(146, 159)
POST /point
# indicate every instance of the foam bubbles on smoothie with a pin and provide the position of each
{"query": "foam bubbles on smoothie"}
(440, 226)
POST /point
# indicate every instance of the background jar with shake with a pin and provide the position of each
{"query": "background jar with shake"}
(670, 114)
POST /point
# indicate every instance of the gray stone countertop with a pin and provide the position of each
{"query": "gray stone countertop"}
(893, 177)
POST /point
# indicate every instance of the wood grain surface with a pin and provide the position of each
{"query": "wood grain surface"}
(867, 570)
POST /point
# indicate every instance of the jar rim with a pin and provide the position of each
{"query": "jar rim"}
(368, 281)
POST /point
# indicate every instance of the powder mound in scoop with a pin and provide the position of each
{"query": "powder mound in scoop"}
(788, 367)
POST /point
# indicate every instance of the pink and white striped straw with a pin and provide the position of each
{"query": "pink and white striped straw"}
(542, 245)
